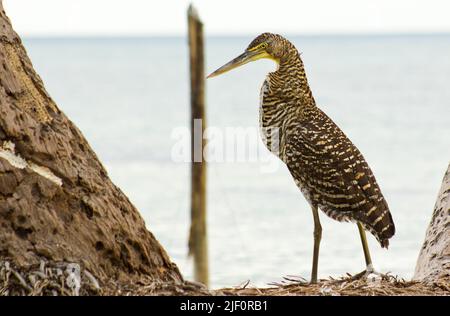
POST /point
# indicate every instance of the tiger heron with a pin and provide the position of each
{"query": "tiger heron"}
(327, 167)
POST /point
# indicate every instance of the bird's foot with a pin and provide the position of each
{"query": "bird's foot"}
(369, 273)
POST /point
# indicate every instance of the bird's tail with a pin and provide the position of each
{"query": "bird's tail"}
(378, 220)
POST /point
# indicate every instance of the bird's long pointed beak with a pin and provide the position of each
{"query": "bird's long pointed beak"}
(242, 59)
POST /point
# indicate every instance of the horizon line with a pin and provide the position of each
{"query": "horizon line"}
(245, 35)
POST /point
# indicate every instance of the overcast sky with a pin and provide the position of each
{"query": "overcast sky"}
(167, 17)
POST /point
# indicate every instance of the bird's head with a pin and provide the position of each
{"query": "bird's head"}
(266, 45)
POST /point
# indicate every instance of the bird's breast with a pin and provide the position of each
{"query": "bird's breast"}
(271, 119)
(262, 95)
(263, 118)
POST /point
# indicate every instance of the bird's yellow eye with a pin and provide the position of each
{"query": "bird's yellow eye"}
(262, 45)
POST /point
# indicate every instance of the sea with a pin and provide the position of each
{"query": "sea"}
(130, 97)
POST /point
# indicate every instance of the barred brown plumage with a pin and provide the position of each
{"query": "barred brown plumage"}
(327, 167)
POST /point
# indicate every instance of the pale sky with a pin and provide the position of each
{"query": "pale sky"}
(167, 17)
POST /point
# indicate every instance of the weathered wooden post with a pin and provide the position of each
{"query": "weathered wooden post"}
(198, 243)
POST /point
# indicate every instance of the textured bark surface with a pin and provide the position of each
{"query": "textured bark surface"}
(56, 200)
(433, 263)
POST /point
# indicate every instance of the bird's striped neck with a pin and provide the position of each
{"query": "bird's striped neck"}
(290, 79)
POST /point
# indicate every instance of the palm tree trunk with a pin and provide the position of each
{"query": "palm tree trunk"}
(57, 202)
(433, 264)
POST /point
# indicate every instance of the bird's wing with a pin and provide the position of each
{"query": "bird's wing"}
(336, 175)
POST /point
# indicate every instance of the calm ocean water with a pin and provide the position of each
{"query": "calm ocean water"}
(390, 94)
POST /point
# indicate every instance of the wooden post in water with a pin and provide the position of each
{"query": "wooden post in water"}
(198, 243)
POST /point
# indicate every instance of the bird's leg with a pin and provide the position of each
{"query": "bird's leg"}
(317, 238)
(362, 234)
(369, 267)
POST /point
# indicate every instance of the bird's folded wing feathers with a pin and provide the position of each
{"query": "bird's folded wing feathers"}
(339, 179)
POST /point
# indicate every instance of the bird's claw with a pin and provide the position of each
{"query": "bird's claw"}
(366, 274)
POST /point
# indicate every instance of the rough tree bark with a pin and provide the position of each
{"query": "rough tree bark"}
(433, 264)
(56, 200)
